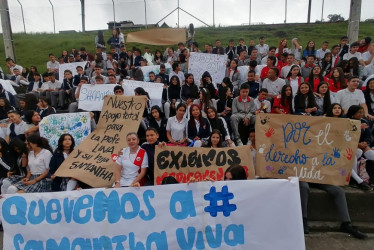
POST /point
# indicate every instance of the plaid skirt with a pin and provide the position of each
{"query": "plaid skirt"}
(39, 187)
(15, 178)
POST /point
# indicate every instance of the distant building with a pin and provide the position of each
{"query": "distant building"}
(130, 25)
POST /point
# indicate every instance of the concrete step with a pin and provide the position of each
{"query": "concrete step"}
(360, 205)
(337, 241)
(334, 226)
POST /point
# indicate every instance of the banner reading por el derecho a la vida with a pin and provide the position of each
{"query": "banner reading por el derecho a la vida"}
(199, 163)
(248, 214)
(92, 162)
(315, 149)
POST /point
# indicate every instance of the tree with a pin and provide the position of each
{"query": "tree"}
(333, 18)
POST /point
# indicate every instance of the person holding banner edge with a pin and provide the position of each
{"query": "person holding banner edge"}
(131, 166)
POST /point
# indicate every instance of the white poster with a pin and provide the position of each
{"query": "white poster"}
(91, 96)
(155, 69)
(8, 86)
(243, 71)
(250, 214)
(154, 90)
(76, 124)
(215, 64)
(69, 66)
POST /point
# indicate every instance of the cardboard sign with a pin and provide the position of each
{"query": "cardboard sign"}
(315, 149)
(186, 162)
(93, 161)
(154, 90)
(70, 66)
(200, 62)
(255, 214)
(76, 124)
(91, 97)
(158, 36)
(155, 69)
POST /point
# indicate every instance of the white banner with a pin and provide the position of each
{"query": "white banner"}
(8, 86)
(215, 64)
(255, 214)
(155, 69)
(91, 97)
(69, 66)
(76, 124)
(243, 71)
(154, 90)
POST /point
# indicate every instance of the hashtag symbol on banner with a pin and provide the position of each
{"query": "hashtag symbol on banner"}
(213, 197)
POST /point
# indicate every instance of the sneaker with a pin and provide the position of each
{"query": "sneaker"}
(364, 186)
(239, 142)
(346, 227)
(305, 225)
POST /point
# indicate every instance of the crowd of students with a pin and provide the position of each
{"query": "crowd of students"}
(281, 79)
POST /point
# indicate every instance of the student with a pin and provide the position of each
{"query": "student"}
(322, 51)
(337, 81)
(34, 86)
(254, 86)
(296, 48)
(198, 128)
(131, 166)
(305, 103)
(294, 78)
(307, 68)
(309, 50)
(273, 83)
(189, 91)
(286, 68)
(323, 98)
(230, 50)
(243, 108)
(163, 74)
(262, 105)
(177, 72)
(270, 63)
(5, 107)
(252, 143)
(32, 119)
(262, 48)
(16, 127)
(283, 102)
(204, 102)
(172, 96)
(219, 123)
(315, 77)
(67, 90)
(235, 172)
(215, 139)
(241, 46)
(158, 121)
(353, 52)
(152, 137)
(65, 146)
(234, 75)
(44, 107)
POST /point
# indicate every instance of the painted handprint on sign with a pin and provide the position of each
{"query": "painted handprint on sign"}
(349, 153)
(347, 136)
(336, 153)
(270, 132)
(262, 148)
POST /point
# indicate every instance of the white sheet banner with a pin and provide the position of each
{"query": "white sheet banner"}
(154, 90)
(155, 69)
(91, 97)
(8, 86)
(255, 214)
(214, 64)
(76, 124)
(243, 71)
(69, 66)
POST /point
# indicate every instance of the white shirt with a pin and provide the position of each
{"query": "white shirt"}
(366, 55)
(321, 53)
(19, 129)
(266, 102)
(177, 129)
(285, 70)
(53, 85)
(274, 87)
(180, 76)
(262, 49)
(53, 65)
(40, 163)
(347, 98)
(349, 55)
(129, 170)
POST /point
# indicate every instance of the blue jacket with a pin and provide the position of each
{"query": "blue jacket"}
(56, 160)
(31, 86)
(150, 149)
(203, 133)
(67, 84)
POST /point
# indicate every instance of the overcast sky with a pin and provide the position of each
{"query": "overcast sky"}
(38, 13)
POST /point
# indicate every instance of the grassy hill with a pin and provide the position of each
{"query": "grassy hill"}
(33, 49)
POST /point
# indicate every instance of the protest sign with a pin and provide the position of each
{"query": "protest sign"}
(8, 86)
(158, 36)
(154, 90)
(76, 124)
(199, 163)
(155, 69)
(70, 66)
(248, 214)
(315, 149)
(92, 162)
(91, 97)
(200, 62)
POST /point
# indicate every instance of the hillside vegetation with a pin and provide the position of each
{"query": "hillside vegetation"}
(33, 49)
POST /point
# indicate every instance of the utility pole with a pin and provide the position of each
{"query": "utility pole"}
(250, 11)
(145, 14)
(114, 16)
(309, 10)
(214, 25)
(53, 15)
(7, 30)
(178, 13)
(83, 17)
(23, 18)
(323, 3)
(285, 11)
(354, 20)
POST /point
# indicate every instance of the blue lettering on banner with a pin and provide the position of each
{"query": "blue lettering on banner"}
(185, 198)
(213, 197)
(278, 156)
(298, 130)
(233, 235)
(99, 207)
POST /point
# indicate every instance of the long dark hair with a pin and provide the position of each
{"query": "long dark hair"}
(215, 131)
(31, 101)
(326, 98)
(292, 67)
(191, 122)
(303, 97)
(60, 147)
(4, 147)
(331, 108)
(161, 114)
(237, 172)
(206, 99)
(341, 78)
(355, 67)
(311, 75)
(28, 116)
(353, 110)
(39, 141)
(215, 123)
(7, 106)
(141, 91)
(313, 48)
(286, 100)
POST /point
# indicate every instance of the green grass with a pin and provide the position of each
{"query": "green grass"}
(33, 49)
